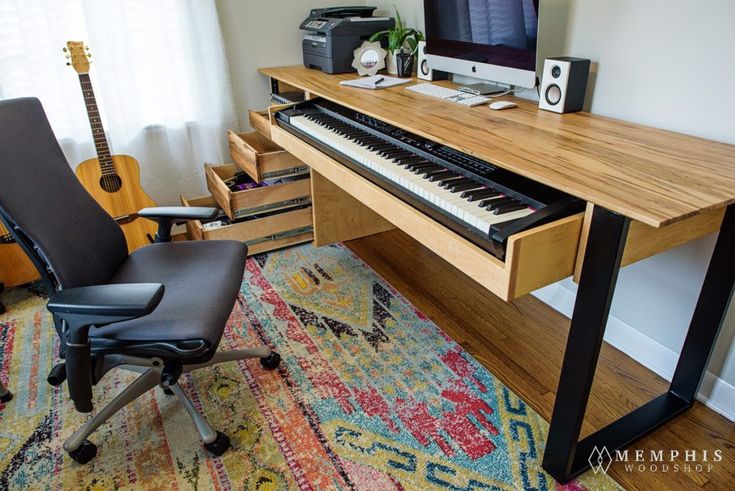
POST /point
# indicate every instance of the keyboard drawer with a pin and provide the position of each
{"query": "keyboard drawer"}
(261, 234)
(260, 123)
(260, 157)
(534, 258)
(240, 204)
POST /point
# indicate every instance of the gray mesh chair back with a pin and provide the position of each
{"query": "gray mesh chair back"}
(40, 194)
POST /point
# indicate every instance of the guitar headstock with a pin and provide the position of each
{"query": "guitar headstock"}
(79, 55)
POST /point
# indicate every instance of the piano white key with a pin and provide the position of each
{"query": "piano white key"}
(451, 202)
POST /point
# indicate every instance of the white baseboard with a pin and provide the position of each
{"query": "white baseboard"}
(715, 393)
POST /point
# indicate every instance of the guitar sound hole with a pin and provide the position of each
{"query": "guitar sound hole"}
(111, 184)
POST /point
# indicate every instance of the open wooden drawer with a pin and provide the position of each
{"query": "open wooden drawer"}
(240, 204)
(534, 258)
(260, 234)
(260, 123)
(260, 157)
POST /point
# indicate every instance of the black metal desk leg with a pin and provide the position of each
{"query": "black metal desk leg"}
(606, 241)
(566, 456)
(709, 313)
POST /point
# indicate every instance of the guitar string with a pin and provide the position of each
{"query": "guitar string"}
(107, 180)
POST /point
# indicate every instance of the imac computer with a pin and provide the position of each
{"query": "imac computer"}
(492, 40)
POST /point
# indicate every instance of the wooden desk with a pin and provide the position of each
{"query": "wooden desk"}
(647, 190)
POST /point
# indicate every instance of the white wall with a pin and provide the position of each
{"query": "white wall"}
(262, 34)
(665, 63)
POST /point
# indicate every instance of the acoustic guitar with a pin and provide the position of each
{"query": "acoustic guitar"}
(15, 267)
(112, 180)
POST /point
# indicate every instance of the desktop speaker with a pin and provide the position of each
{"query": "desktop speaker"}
(423, 71)
(564, 84)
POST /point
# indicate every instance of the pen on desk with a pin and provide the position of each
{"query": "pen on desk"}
(378, 80)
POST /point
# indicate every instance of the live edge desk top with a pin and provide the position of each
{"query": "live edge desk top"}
(650, 175)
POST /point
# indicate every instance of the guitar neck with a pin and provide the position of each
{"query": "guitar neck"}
(98, 131)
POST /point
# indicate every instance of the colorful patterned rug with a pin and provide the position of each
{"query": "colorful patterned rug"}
(371, 395)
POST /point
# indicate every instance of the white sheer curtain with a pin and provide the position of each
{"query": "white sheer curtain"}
(159, 72)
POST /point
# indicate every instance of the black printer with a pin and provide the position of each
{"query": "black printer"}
(334, 33)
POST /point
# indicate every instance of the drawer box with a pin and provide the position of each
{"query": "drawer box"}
(261, 158)
(534, 258)
(260, 123)
(261, 234)
(240, 204)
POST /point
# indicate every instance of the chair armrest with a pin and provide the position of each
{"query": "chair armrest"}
(116, 300)
(179, 213)
(166, 215)
(83, 307)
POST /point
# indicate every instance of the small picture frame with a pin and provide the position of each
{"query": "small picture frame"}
(369, 58)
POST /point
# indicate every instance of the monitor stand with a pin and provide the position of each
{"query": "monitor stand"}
(483, 88)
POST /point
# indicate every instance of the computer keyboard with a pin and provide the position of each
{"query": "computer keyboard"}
(450, 95)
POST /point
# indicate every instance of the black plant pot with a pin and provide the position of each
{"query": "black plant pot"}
(404, 64)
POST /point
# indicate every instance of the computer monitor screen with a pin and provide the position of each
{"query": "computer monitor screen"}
(490, 32)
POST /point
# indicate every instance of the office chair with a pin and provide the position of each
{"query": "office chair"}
(159, 311)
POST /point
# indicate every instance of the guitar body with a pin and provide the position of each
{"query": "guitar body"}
(120, 195)
(15, 267)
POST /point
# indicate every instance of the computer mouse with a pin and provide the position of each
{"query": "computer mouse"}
(498, 105)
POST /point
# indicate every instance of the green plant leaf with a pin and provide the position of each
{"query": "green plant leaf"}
(399, 23)
(378, 35)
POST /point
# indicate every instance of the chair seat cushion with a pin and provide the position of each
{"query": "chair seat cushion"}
(202, 280)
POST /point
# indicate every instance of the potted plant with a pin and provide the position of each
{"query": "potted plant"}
(398, 38)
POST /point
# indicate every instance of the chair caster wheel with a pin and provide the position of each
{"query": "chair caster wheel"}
(167, 391)
(7, 397)
(220, 445)
(86, 452)
(271, 361)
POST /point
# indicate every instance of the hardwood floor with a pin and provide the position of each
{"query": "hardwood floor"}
(522, 344)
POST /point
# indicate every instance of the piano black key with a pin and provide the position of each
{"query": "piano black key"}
(449, 181)
(476, 194)
(410, 161)
(426, 173)
(402, 155)
(459, 180)
(377, 147)
(424, 168)
(438, 176)
(463, 186)
(415, 163)
(485, 202)
(498, 202)
(508, 208)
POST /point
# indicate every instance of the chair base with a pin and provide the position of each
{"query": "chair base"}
(82, 450)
